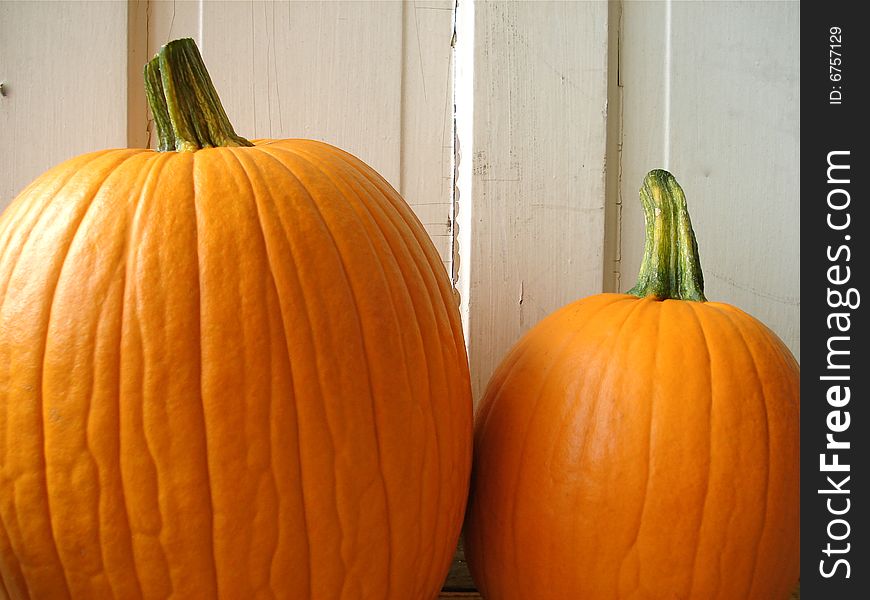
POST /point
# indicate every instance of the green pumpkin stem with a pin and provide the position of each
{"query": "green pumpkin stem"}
(671, 268)
(186, 107)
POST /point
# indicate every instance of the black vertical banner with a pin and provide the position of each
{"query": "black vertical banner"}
(835, 346)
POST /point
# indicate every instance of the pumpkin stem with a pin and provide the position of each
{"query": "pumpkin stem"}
(186, 107)
(670, 267)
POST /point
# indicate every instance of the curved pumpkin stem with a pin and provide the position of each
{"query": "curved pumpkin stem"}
(671, 267)
(187, 110)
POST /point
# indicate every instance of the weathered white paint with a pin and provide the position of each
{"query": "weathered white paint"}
(540, 102)
(138, 132)
(427, 118)
(733, 130)
(65, 68)
(373, 78)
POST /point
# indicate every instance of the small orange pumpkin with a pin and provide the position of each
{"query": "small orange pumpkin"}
(234, 370)
(640, 445)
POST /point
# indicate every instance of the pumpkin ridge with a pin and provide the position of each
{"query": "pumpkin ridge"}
(283, 303)
(12, 215)
(95, 576)
(379, 227)
(761, 386)
(558, 355)
(270, 277)
(658, 340)
(366, 352)
(142, 184)
(86, 202)
(503, 373)
(24, 207)
(696, 313)
(387, 214)
(5, 592)
(389, 218)
(499, 376)
(139, 445)
(142, 443)
(420, 241)
(102, 317)
(503, 370)
(253, 491)
(17, 579)
(501, 380)
(723, 331)
(781, 355)
(445, 324)
(591, 385)
(195, 179)
(367, 355)
(39, 216)
(523, 448)
(420, 235)
(340, 258)
(196, 182)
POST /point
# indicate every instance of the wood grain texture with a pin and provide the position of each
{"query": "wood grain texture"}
(426, 158)
(62, 63)
(373, 78)
(540, 102)
(137, 55)
(732, 128)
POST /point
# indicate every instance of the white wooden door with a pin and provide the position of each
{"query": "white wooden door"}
(537, 173)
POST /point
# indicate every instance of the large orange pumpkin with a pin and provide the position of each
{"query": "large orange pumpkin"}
(640, 445)
(231, 372)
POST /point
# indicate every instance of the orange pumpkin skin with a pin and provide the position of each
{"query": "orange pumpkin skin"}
(237, 373)
(635, 448)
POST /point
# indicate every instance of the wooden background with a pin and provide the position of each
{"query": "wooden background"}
(561, 108)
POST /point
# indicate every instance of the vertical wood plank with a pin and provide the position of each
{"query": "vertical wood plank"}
(138, 134)
(167, 20)
(427, 118)
(732, 125)
(323, 70)
(65, 68)
(540, 100)
(613, 201)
